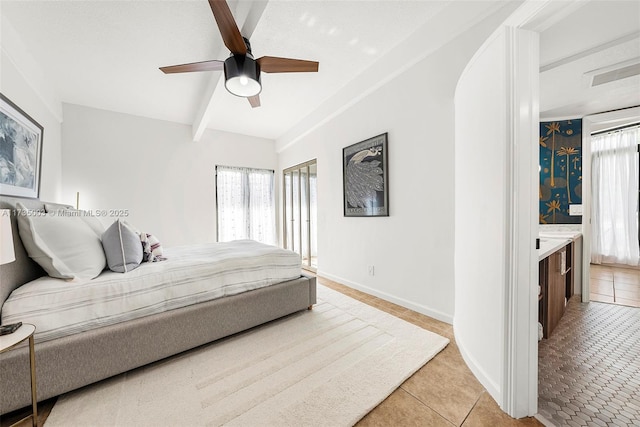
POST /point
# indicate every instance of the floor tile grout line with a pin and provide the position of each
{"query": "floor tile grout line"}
(616, 298)
(471, 410)
(433, 409)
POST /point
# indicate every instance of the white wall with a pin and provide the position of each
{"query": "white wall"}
(481, 208)
(23, 82)
(496, 264)
(412, 249)
(153, 169)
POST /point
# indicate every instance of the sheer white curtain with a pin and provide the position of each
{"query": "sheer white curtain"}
(614, 183)
(246, 204)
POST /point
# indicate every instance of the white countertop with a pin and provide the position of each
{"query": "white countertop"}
(570, 235)
(549, 246)
(551, 241)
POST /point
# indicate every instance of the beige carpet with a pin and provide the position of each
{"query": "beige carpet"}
(325, 367)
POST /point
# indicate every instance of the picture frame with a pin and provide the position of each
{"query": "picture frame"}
(20, 151)
(365, 178)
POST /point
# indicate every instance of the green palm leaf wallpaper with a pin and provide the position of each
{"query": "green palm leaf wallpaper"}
(560, 171)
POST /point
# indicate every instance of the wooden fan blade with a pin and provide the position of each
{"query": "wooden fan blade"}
(254, 101)
(228, 27)
(273, 64)
(213, 65)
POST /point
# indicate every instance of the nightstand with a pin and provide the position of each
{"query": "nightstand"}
(7, 342)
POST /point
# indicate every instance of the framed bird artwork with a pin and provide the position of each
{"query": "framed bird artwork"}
(365, 178)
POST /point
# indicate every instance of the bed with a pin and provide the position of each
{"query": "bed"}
(130, 325)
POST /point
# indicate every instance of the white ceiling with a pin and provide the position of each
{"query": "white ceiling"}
(106, 54)
(592, 38)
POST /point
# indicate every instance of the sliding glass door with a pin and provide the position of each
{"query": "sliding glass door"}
(300, 212)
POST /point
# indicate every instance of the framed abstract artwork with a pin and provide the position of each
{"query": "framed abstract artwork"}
(365, 178)
(20, 151)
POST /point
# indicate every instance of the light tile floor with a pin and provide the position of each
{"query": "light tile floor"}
(443, 392)
(615, 285)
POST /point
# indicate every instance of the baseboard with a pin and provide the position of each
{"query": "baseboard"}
(427, 311)
(492, 388)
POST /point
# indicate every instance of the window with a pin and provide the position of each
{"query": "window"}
(245, 204)
(300, 212)
(614, 196)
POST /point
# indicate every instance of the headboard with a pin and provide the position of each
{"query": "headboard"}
(23, 269)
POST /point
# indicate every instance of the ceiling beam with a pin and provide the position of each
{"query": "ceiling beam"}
(247, 15)
(591, 51)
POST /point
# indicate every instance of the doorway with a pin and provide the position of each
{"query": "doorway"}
(615, 250)
(588, 326)
(300, 219)
(593, 124)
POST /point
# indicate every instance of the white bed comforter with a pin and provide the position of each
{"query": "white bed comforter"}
(190, 275)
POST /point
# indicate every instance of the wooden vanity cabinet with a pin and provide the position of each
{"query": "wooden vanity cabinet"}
(570, 271)
(556, 283)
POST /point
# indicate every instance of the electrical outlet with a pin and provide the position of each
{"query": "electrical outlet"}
(372, 270)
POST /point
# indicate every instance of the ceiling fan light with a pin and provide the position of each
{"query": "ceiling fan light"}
(242, 76)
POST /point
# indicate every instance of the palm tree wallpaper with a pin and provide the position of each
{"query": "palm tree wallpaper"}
(560, 170)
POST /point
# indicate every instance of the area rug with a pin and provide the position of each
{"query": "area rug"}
(325, 367)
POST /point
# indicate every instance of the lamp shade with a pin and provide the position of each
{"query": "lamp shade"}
(7, 254)
(242, 76)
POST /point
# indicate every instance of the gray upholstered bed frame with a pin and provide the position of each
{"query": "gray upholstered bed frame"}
(74, 361)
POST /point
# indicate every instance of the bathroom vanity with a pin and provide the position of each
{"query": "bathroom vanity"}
(557, 272)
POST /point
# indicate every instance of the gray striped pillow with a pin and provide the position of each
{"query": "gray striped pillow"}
(122, 247)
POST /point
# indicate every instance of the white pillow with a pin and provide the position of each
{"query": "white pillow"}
(64, 246)
(92, 221)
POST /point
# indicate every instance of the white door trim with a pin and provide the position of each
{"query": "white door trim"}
(520, 378)
(520, 375)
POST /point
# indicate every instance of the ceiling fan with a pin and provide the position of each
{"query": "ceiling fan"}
(241, 70)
